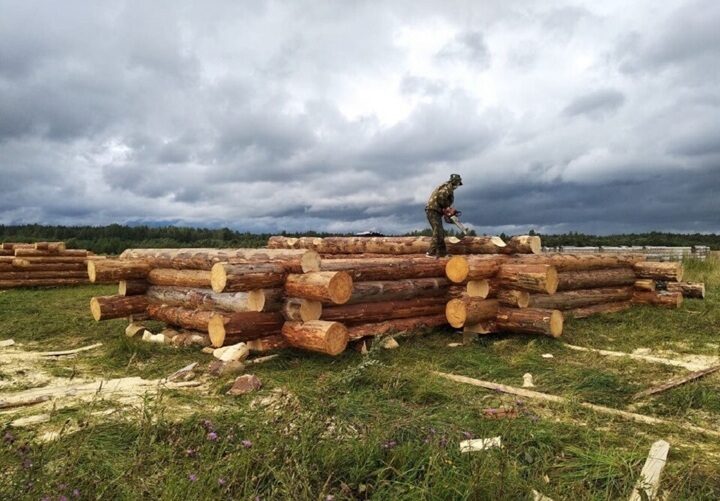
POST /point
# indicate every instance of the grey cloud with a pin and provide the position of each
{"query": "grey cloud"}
(595, 104)
(468, 47)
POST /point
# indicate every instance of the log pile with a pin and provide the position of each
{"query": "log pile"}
(42, 264)
(320, 294)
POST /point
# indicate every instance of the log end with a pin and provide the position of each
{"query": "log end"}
(498, 241)
(552, 280)
(535, 244)
(92, 275)
(556, 323)
(340, 287)
(457, 269)
(310, 261)
(218, 277)
(522, 298)
(478, 288)
(456, 312)
(310, 310)
(95, 309)
(256, 300)
(216, 330)
(337, 339)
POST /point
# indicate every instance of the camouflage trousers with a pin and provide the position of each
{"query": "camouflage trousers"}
(437, 245)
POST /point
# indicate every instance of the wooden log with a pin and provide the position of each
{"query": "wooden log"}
(530, 277)
(596, 309)
(482, 327)
(676, 381)
(180, 317)
(179, 278)
(523, 244)
(461, 268)
(667, 271)
(266, 299)
(320, 336)
(332, 286)
(470, 310)
(107, 307)
(568, 300)
(645, 284)
(242, 326)
(26, 275)
(363, 270)
(267, 343)
(530, 320)
(513, 298)
(50, 246)
(352, 314)
(591, 279)
(297, 309)
(687, 289)
(132, 287)
(114, 270)
(6, 253)
(200, 299)
(50, 254)
(46, 267)
(24, 262)
(478, 288)
(295, 261)
(396, 326)
(42, 282)
(581, 262)
(385, 245)
(663, 299)
(16, 245)
(392, 290)
(227, 277)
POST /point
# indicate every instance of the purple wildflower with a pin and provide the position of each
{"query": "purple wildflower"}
(443, 441)
(221, 481)
(62, 487)
(9, 437)
(467, 435)
(192, 477)
(62, 498)
(212, 436)
(207, 424)
(246, 443)
(390, 444)
(27, 464)
(432, 431)
(191, 453)
(329, 497)
(76, 493)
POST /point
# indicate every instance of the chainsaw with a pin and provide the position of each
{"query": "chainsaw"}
(452, 216)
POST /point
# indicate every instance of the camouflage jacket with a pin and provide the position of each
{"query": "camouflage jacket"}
(442, 198)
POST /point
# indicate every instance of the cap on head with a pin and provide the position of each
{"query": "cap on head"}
(456, 179)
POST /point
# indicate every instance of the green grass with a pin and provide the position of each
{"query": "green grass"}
(379, 427)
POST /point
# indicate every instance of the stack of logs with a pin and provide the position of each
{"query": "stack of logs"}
(320, 294)
(42, 264)
(535, 293)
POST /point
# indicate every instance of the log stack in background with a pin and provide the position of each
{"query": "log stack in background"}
(318, 294)
(42, 264)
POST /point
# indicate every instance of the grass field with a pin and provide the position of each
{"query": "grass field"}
(354, 427)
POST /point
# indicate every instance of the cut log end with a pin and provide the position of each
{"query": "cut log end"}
(216, 330)
(218, 277)
(455, 313)
(535, 244)
(478, 288)
(91, 271)
(552, 280)
(310, 261)
(337, 339)
(95, 308)
(497, 241)
(556, 323)
(457, 269)
(256, 300)
(340, 287)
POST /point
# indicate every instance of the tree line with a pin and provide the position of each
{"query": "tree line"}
(115, 238)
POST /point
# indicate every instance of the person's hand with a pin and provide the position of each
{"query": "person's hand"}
(450, 211)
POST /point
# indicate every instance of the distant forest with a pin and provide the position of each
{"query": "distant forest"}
(115, 238)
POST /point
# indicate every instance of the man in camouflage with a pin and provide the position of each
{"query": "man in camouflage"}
(439, 205)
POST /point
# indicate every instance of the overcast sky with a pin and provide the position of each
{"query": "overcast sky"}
(344, 115)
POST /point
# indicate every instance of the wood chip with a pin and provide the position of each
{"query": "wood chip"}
(480, 444)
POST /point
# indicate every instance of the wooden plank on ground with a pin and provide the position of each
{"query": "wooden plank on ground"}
(647, 485)
(677, 381)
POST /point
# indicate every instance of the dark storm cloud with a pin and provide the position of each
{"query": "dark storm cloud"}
(317, 115)
(595, 104)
